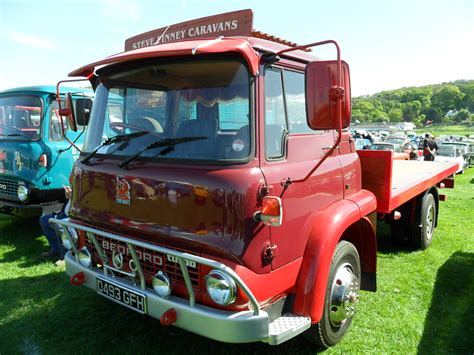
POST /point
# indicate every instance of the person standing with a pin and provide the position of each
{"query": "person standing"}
(429, 148)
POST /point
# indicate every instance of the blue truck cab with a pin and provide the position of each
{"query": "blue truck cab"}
(36, 156)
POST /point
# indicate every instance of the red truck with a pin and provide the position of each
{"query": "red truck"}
(227, 197)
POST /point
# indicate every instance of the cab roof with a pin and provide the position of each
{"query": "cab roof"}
(247, 47)
(230, 32)
(48, 89)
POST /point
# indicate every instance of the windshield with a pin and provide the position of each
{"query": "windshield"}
(20, 117)
(197, 110)
(446, 151)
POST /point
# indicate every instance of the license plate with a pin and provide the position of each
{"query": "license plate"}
(122, 295)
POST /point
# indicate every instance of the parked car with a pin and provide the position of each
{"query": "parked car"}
(463, 147)
(398, 152)
(411, 135)
(362, 143)
(396, 139)
(400, 140)
(451, 153)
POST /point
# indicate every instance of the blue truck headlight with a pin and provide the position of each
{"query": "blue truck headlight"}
(23, 193)
(66, 233)
(221, 288)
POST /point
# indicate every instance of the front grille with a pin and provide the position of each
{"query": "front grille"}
(151, 261)
(8, 187)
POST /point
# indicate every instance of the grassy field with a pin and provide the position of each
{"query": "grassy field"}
(454, 130)
(424, 303)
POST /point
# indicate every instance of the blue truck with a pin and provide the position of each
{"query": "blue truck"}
(36, 150)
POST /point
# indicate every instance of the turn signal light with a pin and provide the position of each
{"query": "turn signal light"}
(272, 211)
(169, 317)
(43, 160)
(78, 279)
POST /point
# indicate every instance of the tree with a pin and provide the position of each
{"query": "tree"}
(434, 114)
(462, 115)
(468, 100)
(411, 110)
(422, 95)
(419, 120)
(395, 115)
(447, 98)
(378, 115)
(359, 115)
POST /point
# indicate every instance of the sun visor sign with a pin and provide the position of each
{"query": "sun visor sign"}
(122, 191)
(236, 23)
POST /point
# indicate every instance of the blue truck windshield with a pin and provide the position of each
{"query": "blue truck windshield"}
(197, 110)
(20, 117)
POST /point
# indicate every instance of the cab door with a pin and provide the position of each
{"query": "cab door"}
(290, 149)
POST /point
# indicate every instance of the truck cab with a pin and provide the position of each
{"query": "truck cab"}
(227, 200)
(36, 157)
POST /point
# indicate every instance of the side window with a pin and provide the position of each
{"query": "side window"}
(55, 131)
(275, 116)
(295, 102)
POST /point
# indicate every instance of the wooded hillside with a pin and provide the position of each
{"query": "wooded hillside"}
(451, 102)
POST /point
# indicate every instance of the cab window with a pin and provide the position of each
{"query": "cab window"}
(295, 102)
(275, 115)
(55, 131)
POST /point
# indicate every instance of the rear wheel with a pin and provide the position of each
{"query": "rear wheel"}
(342, 296)
(422, 235)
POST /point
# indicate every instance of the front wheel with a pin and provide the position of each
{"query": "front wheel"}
(342, 296)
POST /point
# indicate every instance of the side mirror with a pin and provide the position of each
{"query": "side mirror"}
(68, 112)
(322, 94)
(83, 111)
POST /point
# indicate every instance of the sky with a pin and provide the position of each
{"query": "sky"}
(388, 44)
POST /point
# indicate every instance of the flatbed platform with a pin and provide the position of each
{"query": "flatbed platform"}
(395, 182)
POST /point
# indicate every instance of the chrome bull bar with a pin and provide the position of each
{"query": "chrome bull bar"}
(181, 257)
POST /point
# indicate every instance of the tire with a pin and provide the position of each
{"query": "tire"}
(342, 295)
(422, 235)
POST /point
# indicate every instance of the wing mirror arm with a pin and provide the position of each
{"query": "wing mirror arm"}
(67, 111)
(333, 93)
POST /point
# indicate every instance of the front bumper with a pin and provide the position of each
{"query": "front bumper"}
(29, 210)
(231, 327)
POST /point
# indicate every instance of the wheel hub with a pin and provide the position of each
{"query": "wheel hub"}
(344, 295)
(430, 218)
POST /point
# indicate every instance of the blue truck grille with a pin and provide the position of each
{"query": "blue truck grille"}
(8, 188)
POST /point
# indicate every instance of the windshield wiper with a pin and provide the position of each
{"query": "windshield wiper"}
(167, 143)
(112, 140)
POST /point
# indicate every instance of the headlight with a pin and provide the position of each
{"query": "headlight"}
(22, 193)
(65, 240)
(221, 288)
(161, 284)
(85, 257)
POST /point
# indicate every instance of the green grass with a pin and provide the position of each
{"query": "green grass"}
(424, 303)
(455, 130)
